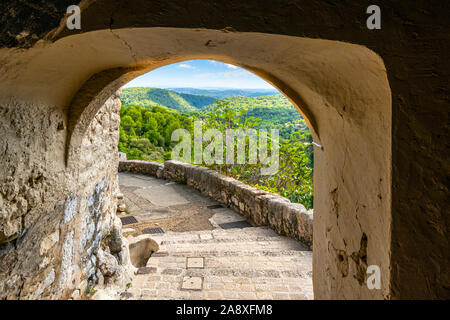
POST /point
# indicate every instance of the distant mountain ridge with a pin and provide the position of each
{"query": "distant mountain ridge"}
(150, 97)
(198, 101)
(185, 99)
(226, 93)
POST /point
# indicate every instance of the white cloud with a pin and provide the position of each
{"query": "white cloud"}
(230, 66)
(185, 66)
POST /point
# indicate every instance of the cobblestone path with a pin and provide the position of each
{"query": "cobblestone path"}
(221, 262)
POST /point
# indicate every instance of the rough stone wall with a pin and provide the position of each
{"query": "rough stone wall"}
(259, 206)
(59, 234)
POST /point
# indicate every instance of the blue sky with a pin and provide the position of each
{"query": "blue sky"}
(200, 74)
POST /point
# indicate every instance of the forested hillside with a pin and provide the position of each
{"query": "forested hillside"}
(146, 130)
(275, 111)
(145, 133)
(198, 101)
(150, 97)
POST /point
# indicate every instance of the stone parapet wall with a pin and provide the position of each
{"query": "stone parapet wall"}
(143, 167)
(261, 207)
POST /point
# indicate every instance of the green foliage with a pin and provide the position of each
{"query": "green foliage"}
(197, 101)
(294, 179)
(275, 112)
(145, 134)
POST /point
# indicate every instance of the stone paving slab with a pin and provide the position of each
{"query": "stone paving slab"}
(139, 180)
(164, 196)
(192, 283)
(194, 262)
(225, 215)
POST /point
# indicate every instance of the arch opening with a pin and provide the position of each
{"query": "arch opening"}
(255, 111)
(182, 98)
(342, 90)
(99, 87)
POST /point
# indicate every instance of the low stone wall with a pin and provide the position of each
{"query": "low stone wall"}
(259, 206)
(143, 167)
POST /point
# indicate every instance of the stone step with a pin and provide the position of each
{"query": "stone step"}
(275, 254)
(240, 263)
(263, 231)
(250, 230)
(198, 241)
(273, 251)
(235, 243)
(251, 273)
(229, 267)
(271, 254)
(254, 237)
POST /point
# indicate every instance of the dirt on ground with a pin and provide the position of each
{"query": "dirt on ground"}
(188, 220)
(183, 218)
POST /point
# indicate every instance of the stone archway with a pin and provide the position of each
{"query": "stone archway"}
(40, 77)
(340, 88)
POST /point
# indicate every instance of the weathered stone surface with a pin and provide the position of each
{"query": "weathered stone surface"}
(57, 218)
(107, 263)
(49, 279)
(141, 248)
(146, 270)
(49, 242)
